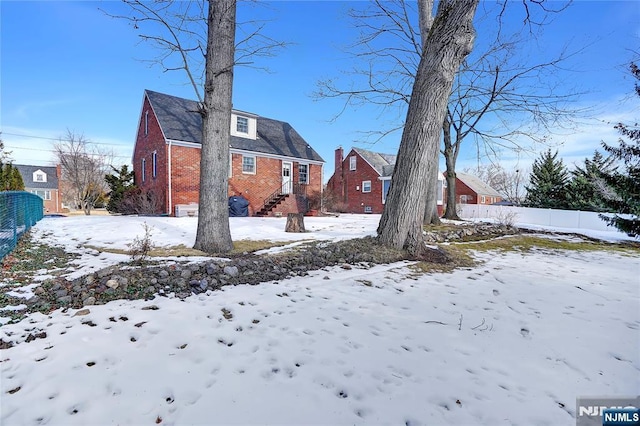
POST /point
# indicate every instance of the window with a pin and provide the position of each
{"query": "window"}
(483, 200)
(45, 195)
(368, 209)
(242, 125)
(385, 189)
(464, 199)
(352, 162)
(146, 122)
(440, 191)
(303, 173)
(154, 162)
(144, 171)
(248, 164)
(366, 186)
(39, 176)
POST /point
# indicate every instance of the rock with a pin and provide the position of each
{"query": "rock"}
(61, 293)
(39, 291)
(232, 271)
(186, 274)
(89, 301)
(89, 279)
(211, 269)
(103, 273)
(64, 300)
(163, 274)
(113, 284)
(82, 312)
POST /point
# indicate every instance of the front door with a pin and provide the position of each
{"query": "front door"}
(286, 177)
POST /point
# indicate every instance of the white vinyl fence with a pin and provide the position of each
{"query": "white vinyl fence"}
(544, 217)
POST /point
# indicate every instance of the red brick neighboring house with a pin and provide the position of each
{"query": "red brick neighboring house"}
(471, 190)
(272, 166)
(361, 180)
(44, 182)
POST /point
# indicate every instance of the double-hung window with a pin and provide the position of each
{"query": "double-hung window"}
(366, 186)
(303, 174)
(242, 125)
(249, 164)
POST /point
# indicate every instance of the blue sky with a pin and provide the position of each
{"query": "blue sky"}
(68, 65)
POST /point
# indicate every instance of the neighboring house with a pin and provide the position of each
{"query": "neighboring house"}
(471, 190)
(44, 182)
(361, 180)
(272, 166)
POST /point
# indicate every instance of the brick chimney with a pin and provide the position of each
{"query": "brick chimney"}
(339, 156)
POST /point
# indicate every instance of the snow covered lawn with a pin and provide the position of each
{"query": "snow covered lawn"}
(512, 341)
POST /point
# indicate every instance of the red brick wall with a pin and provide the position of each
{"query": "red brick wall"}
(185, 179)
(256, 188)
(146, 144)
(472, 196)
(349, 184)
(54, 205)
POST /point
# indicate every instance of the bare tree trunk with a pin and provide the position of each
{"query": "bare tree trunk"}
(448, 43)
(213, 234)
(431, 210)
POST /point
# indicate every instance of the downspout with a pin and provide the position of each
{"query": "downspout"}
(169, 182)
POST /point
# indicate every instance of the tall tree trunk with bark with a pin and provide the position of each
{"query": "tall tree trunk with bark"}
(213, 234)
(449, 41)
(431, 216)
(450, 157)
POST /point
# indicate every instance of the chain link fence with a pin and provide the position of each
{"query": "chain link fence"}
(19, 211)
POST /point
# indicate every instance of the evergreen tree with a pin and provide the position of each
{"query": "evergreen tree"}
(548, 183)
(585, 190)
(625, 184)
(119, 184)
(10, 177)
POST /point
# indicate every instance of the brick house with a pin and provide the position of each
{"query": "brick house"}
(471, 190)
(361, 180)
(44, 182)
(272, 166)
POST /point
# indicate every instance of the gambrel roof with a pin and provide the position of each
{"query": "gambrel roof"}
(180, 121)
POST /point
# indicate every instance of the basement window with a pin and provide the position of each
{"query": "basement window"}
(368, 209)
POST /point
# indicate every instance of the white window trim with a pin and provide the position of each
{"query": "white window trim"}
(484, 200)
(154, 164)
(255, 165)
(144, 166)
(352, 162)
(363, 185)
(146, 123)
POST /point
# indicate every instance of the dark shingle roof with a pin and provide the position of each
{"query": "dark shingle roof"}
(27, 176)
(180, 121)
(382, 163)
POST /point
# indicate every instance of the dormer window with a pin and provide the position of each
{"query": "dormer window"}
(39, 176)
(242, 125)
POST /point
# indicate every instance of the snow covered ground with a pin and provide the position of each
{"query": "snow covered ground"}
(512, 341)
